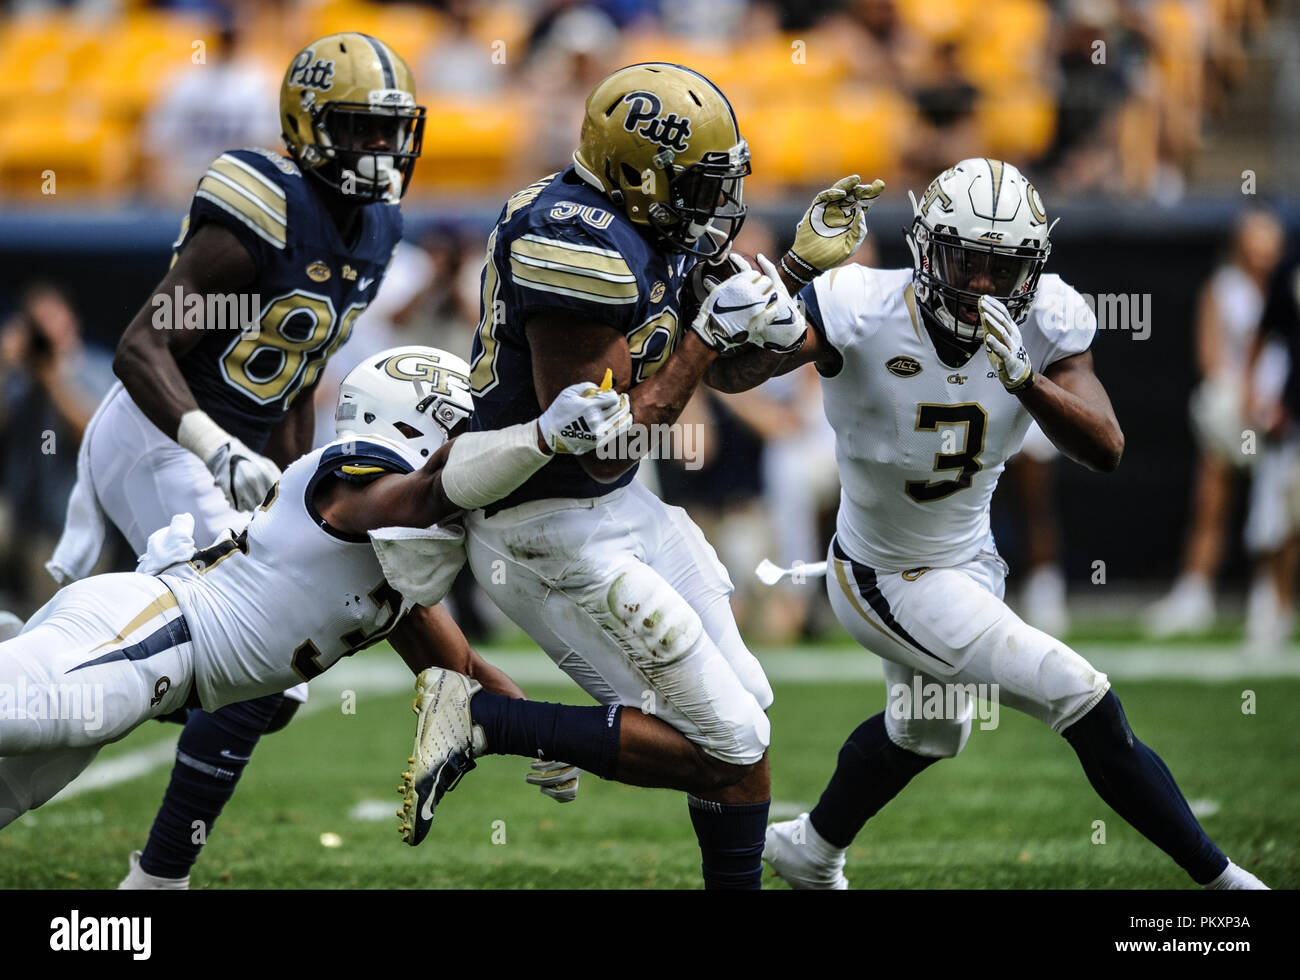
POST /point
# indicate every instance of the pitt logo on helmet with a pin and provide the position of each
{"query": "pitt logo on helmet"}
(318, 75)
(671, 131)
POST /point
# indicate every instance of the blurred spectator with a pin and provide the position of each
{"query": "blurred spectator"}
(565, 63)
(1228, 317)
(232, 101)
(50, 383)
(945, 101)
(460, 64)
(874, 42)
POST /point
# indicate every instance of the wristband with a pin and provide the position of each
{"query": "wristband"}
(200, 435)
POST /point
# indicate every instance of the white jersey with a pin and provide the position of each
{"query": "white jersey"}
(920, 444)
(289, 596)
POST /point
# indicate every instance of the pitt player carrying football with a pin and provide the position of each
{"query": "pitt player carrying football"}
(585, 273)
(204, 418)
(336, 557)
(923, 429)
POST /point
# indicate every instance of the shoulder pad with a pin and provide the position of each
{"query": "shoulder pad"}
(577, 250)
(249, 187)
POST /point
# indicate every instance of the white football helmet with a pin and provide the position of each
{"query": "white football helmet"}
(981, 229)
(413, 398)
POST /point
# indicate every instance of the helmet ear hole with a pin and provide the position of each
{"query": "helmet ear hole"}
(370, 418)
(630, 176)
(410, 431)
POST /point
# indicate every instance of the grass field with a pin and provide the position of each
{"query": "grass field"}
(1013, 811)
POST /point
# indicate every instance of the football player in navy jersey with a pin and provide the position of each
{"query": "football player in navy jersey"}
(276, 259)
(585, 273)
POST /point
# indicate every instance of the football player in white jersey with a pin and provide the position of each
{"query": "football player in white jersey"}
(342, 552)
(924, 425)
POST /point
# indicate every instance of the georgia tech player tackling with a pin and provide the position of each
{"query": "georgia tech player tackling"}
(923, 429)
(341, 553)
(209, 407)
(584, 273)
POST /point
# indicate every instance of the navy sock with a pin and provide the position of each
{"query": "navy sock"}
(1139, 787)
(586, 737)
(210, 758)
(731, 842)
(871, 771)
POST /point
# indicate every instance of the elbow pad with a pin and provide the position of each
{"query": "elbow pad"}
(483, 467)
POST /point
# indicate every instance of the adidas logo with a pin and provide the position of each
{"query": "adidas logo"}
(577, 429)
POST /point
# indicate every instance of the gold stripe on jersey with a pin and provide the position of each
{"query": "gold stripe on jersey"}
(252, 182)
(598, 274)
(151, 611)
(909, 298)
(228, 185)
(354, 470)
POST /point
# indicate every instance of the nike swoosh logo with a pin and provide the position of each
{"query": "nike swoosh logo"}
(227, 754)
(364, 281)
(719, 308)
(788, 319)
(426, 811)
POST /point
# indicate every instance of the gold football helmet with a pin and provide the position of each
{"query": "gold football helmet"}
(663, 143)
(349, 116)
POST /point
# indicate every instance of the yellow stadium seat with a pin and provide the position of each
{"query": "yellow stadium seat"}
(83, 153)
(942, 20)
(473, 145)
(1016, 123)
(140, 55)
(802, 143)
(1008, 42)
(408, 29)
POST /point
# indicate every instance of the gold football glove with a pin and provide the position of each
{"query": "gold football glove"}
(831, 230)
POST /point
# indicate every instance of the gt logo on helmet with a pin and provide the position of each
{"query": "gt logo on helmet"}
(423, 367)
(319, 75)
(671, 131)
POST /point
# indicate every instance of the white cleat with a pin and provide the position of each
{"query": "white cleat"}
(446, 741)
(801, 858)
(1235, 878)
(137, 879)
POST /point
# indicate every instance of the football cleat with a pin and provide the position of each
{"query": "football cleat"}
(446, 741)
(137, 879)
(800, 857)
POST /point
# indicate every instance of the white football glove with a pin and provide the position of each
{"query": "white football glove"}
(1004, 345)
(558, 780)
(781, 327)
(832, 229)
(583, 417)
(243, 475)
(725, 317)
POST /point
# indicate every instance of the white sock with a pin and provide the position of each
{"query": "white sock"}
(1235, 878)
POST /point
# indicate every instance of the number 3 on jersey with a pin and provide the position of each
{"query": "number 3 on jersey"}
(296, 335)
(966, 458)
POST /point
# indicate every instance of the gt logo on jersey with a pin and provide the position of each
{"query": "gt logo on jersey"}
(671, 131)
(306, 74)
(903, 366)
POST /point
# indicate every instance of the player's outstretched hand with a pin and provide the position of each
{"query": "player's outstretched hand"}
(832, 229)
(1004, 345)
(733, 309)
(583, 417)
(558, 780)
(243, 475)
(781, 327)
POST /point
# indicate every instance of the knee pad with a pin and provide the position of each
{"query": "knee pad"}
(936, 738)
(659, 626)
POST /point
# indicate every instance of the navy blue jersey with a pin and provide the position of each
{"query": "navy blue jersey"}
(310, 289)
(560, 246)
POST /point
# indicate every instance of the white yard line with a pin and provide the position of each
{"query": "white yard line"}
(375, 673)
